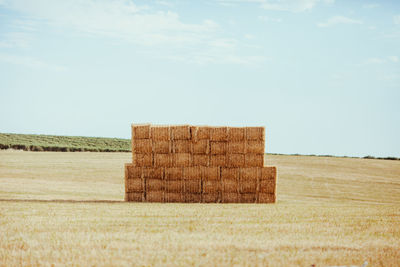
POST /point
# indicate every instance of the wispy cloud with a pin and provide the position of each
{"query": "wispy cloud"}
(30, 62)
(15, 39)
(279, 5)
(371, 5)
(338, 20)
(382, 60)
(269, 19)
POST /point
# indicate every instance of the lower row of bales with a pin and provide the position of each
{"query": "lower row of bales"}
(200, 184)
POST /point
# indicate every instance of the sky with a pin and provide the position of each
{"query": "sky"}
(323, 76)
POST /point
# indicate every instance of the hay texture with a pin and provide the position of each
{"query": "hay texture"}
(219, 134)
(155, 196)
(140, 131)
(161, 133)
(200, 160)
(181, 132)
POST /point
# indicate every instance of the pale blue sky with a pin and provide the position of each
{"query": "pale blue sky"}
(323, 76)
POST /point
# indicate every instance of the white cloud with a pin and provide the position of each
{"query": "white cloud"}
(16, 39)
(396, 19)
(269, 19)
(280, 5)
(372, 5)
(338, 20)
(394, 59)
(29, 62)
(382, 60)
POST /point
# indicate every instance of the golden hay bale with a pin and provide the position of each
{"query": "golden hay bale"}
(218, 148)
(230, 185)
(173, 197)
(236, 133)
(210, 173)
(255, 147)
(255, 133)
(180, 132)
(181, 159)
(230, 173)
(144, 160)
(142, 146)
(248, 198)
(192, 198)
(173, 186)
(219, 134)
(162, 146)
(181, 146)
(162, 160)
(154, 184)
(153, 172)
(268, 173)
(201, 160)
(135, 185)
(133, 172)
(161, 133)
(248, 186)
(140, 131)
(218, 160)
(211, 186)
(155, 196)
(267, 186)
(254, 160)
(192, 186)
(236, 147)
(211, 197)
(173, 173)
(230, 198)
(235, 160)
(134, 196)
(250, 174)
(192, 173)
(202, 132)
(200, 146)
(266, 198)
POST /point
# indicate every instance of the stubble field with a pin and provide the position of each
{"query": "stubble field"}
(67, 209)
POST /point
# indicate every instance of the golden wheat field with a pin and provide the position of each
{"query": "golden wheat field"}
(67, 209)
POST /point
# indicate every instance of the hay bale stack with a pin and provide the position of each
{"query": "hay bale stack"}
(199, 164)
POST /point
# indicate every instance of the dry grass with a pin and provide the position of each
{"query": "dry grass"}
(330, 211)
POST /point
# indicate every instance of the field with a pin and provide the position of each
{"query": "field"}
(68, 209)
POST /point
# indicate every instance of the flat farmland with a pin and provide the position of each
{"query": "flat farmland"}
(66, 208)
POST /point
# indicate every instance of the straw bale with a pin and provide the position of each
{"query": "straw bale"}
(174, 173)
(200, 146)
(255, 133)
(266, 198)
(230, 173)
(218, 160)
(202, 132)
(180, 132)
(192, 186)
(249, 174)
(230, 198)
(153, 172)
(193, 132)
(211, 186)
(192, 198)
(181, 146)
(181, 159)
(201, 160)
(142, 146)
(230, 185)
(173, 197)
(173, 186)
(248, 198)
(248, 186)
(135, 185)
(162, 160)
(134, 196)
(218, 148)
(154, 184)
(161, 133)
(235, 160)
(144, 160)
(267, 186)
(155, 196)
(219, 134)
(192, 173)
(162, 146)
(236, 133)
(211, 173)
(211, 198)
(134, 172)
(237, 147)
(254, 160)
(268, 173)
(140, 131)
(255, 147)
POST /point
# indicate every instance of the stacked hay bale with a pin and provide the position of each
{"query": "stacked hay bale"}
(199, 164)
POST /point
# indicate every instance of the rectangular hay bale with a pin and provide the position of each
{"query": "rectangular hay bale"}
(144, 160)
(219, 134)
(250, 174)
(192, 186)
(211, 173)
(134, 197)
(202, 132)
(181, 159)
(201, 160)
(173, 197)
(154, 184)
(142, 146)
(266, 198)
(268, 173)
(211, 198)
(133, 171)
(140, 131)
(155, 196)
(254, 160)
(235, 160)
(173, 173)
(181, 146)
(153, 172)
(161, 132)
(255, 133)
(236, 147)
(236, 134)
(211, 186)
(218, 148)
(200, 146)
(180, 132)
(192, 198)
(255, 147)
(230, 198)
(192, 173)
(267, 186)
(135, 185)
(248, 186)
(162, 146)
(173, 186)
(162, 160)
(230, 186)
(218, 160)
(230, 173)
(248, 198)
